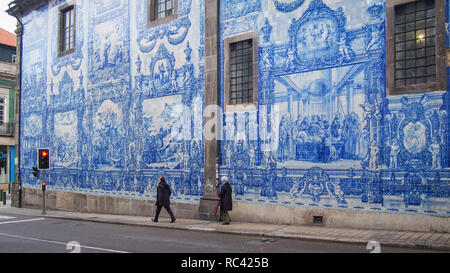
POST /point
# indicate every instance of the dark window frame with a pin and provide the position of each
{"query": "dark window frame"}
(151, 14)
(61, 29)
(440, 82)
(241, 72)
(3, 109)
(228, 106)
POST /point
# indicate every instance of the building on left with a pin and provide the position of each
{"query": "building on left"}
(8, 68)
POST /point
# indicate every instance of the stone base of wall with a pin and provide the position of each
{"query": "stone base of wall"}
(57, 200)
(242, 211)
(207, 209)
(289, 215)
(15, 195)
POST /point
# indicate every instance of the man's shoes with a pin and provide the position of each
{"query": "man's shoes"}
(154, 220)
(225, 223)
(173, 220)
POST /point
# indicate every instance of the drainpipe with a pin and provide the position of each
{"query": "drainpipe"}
(11, 11)
(219, 76)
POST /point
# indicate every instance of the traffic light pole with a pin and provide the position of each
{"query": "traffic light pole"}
(43, 192)
(43, 164)
(43, 203)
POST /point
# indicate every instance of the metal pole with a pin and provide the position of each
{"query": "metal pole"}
(43, 194)
(4, 198)
(20, 193)
(43, 203)
(19, 32)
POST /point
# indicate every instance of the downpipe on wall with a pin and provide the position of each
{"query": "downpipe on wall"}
(11, 7)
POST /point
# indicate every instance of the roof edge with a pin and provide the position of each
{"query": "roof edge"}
(20, 8)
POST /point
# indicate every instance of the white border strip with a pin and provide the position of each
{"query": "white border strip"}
(59, 243)
(22, 221)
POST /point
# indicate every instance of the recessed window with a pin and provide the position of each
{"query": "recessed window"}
(161, 11)
(415, 46)
(163, 8)
(67, 30)
(415, 43)
(2, 110)
(241, 74)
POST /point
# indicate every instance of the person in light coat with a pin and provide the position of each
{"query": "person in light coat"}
(226, 200)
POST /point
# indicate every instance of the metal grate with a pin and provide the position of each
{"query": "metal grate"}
(163, 8)
(2, 109)
(7, 129)
(241, 72)
(317, 219)
(68, 29)
(415, 43)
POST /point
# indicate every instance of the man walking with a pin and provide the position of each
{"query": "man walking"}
(226, 202)
(163, 199)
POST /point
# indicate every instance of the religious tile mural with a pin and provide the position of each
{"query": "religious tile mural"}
(34, 83)
(124, 108)
(328, 135)
(127, 106)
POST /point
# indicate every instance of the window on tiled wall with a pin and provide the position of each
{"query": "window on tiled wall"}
(415, 42)
(66, 29)
(241, 74)
(163, 8)
(161, 11)
(241, 71)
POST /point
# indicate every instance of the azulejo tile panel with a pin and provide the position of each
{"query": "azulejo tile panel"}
(113, 107)
(127, 106)
(327, 134)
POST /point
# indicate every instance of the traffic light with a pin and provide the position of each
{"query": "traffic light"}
(43, 185)
(43, 159)
(36, 172)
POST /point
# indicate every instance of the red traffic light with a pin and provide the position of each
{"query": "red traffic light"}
(43, 159)
(44, 184)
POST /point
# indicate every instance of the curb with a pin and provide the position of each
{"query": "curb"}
(272, 234)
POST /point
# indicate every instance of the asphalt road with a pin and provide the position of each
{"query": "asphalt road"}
(23, 234)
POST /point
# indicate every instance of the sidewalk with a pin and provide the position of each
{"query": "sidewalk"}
(426, 240)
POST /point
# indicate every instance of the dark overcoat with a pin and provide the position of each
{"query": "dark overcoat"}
(163, 194)
(226, 201)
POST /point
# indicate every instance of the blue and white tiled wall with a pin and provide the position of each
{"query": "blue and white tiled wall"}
(108, 112)
(339, 141)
